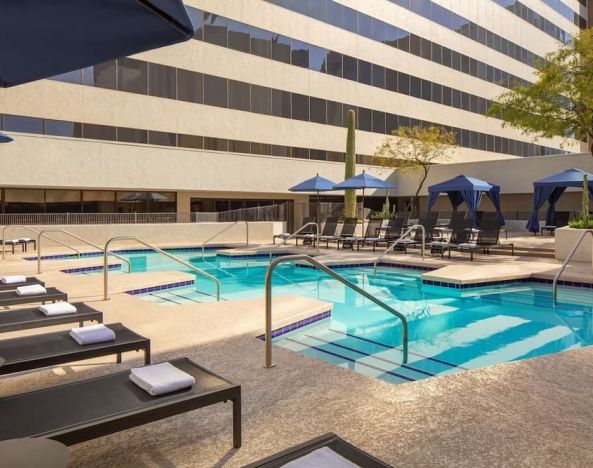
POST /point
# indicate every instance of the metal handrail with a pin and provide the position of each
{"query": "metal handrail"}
(82, 239)
(392, 246)
(225, 230)
(150, 246)
(268, 302)
(565, 264)
(294, 234)
(36, 233)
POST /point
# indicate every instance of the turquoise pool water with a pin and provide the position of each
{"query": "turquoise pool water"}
(450, 330)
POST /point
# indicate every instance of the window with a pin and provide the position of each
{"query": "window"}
(300, 107)
(216, 144)
(391, 80)
(317, 9)
(334, 113)
(280, 150)
(238, 36)
(365, 119)
(426, 90)
(334, 63)
(261, 42)
(69, 77)
(215, 29)
(190, 86)
(318, 110)
(281, 104)
(281, 48)
(132, 76)
(364, 25)
(300, 54)
(378, 76)
(99, 132)
(300, 6)
(261, 100)
(190, 141)
(24, 201)
(425, 48)
(349, 20)
(215, 91)
(350, 68)
(391, 123)
(162, 138)
(364, 72)
(414, 44)
(317, 154)
(415, 86)
(62, 128)
(17, 123)
(403, 83)
(162, 81)
(378, 30)
(236, 146)
(261, 148)
(437, 93)
(63, 201)
(378, 122)
(103, 75)
(301, 153)
(239, 95)
(391, 34)
(98, 201)
(197, 19)
(132, 135)
(334, 13)
(317, 58)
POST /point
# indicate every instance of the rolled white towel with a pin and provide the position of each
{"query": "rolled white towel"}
(58, 308)
(32, 290)
(92, 334)
(162, 378)
(324, 457)
(13, 279)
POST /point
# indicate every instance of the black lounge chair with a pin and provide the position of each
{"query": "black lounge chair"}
(428, 221)
(487, 239)
(8, 298)
(372, 236)
(393, 230)
(24, 319)
(285, 235)
(79, 411)
(562, 218)
(329, 231)
(461, 234)
(330, 440)
(348, 231)
(51, 349)
(30, 281)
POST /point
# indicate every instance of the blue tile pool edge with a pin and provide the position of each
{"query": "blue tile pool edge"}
(111, 267)
(160, 287)
(296, 325)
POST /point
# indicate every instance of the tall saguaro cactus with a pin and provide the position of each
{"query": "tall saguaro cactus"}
(350, 169)
(585, 200)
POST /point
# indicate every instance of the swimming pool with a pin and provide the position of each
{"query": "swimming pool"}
(450, 330)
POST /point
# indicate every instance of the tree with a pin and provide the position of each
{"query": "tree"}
(560, 101)
(350, 166)
(415, 148)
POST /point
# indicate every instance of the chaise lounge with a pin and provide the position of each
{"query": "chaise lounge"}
(31, 280)
(8, 298)
(24, 319)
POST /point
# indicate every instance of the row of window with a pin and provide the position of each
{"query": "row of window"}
(135, 76)
(567, 12)
(354, 21)
(535, 19)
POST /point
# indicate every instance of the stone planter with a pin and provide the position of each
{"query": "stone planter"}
(566, 238)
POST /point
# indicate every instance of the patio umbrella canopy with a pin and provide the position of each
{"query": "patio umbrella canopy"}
(314, 184)
(466, 189)
(5, 138)
(40, 38)
(550, 189)
(145, 196)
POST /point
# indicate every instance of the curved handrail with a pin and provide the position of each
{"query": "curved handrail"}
(294, 234)
(565, 264)
(82, 239)
(392, 246)
(223, 231)
(333, 274)
(150, 246)
(36, 233)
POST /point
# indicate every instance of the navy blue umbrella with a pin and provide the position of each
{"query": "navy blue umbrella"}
(41, 38)
(5, 138)
(314, 184)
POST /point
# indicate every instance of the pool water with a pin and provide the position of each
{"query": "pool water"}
(449, 330)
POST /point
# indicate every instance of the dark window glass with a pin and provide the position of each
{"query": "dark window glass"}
(415, 44)
(300, 6)
(446, 56)
(103, 75)
(162, 138)
(349, 20)
(99, 132)
(190, 141)
(391, 35)
(415, 86)
(261, 42)
(447, 95)
(317, 9)
(261, 99)
(335, 156)
(281, 150)
(378, 30)
(281, 48)
(455, 60)
(197, 19)
(425, 48)
(190, 86)
(473, 104)
(334, 13)
(365, 120)
(17, 123)
(436, 55)
(132, 76)
(404, 121)
(464, 63)
(456, 98)
(334, 63)
(378, 122)
(62, 128)
(317, 154)
(350, 68)
(391, 80)
(465, 102)
(216, 144)
(69, 77)
(301, 153)
(334, 113)
(403, 43)
(317, 58)
(391, 123)
(162, 81)
(261, 148)
(364, 72)
(239, 36)
(132, 135)
(239, 95)
(300, 54)
(318, 111)
(281, 104)
(364, 25)
(215, 29)
(403, 83)
(215, 91)
(378, 76)
(437, 93)
(236, 146)
(426, 90)
(300, 107)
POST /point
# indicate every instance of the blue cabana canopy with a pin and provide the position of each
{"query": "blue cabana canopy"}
(41, 38)
(462, 189)
(550, 189)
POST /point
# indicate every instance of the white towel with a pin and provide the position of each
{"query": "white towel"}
(32, 290)
(24, 239)
(162, 378)
(323, 457)
(92, 334)
(58, 308)
(13, 279)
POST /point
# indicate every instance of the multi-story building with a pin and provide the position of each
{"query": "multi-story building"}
(257, 101)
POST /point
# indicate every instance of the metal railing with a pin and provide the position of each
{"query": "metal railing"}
(162, 252)
(306, 258)
(565, 264)
(398, 241)
(294, 234)
(81, 239)
(222, 232)
(28, 229)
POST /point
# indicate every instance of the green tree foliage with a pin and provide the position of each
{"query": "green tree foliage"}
(560, 101)
(350, 166)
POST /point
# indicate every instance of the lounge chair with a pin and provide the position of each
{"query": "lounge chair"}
(336, 446)
(86, 409)
(24, 319)
(428, 221)
(562, 218)
(328, 233)
(460, 234)
(286, 235)
(393, 230)
(487, 239)
(13, 242)
(51, 349)
(348, 230)
(372, 235)
(8, 298)
(28, 282)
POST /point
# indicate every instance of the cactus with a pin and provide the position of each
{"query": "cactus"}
(350, 167)
(585, 200)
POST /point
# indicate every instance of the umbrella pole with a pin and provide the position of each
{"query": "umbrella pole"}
(363, 212)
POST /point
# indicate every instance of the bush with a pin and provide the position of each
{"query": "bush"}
(581, 223)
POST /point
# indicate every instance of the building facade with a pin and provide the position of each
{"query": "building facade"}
(257, 101)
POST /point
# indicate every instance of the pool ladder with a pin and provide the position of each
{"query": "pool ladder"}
(294, 234)
(320, 266)
(566, 262)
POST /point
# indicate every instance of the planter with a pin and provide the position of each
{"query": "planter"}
(565, 240)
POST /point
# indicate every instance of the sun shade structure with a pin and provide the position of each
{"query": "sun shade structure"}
(550, 189)
(466, 189)
(40, 38)
(5, 138)
(314, 184)
(145, 196)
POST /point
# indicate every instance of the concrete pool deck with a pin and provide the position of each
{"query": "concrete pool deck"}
(535, 412)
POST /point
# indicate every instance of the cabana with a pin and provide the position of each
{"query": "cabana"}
(468, 190)
(550, 189)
